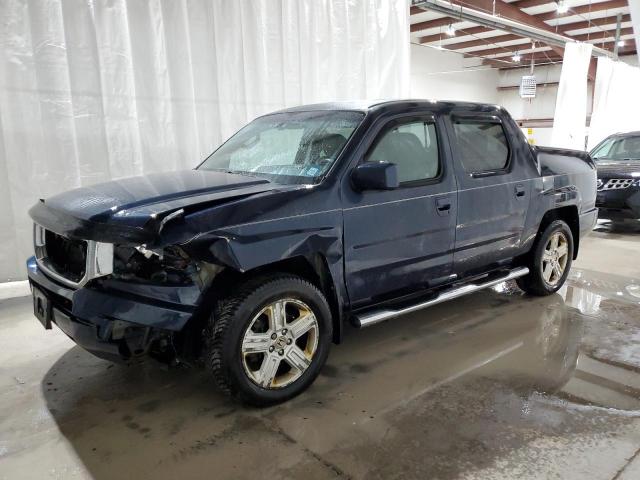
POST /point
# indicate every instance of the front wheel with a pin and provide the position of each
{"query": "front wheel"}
(268, 342)
(550, 261)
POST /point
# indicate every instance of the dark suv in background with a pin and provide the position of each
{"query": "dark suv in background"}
(618, 160)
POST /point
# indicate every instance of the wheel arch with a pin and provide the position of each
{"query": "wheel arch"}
(314, 269)
(568, 214)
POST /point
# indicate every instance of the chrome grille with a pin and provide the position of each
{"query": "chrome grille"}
(67, 256)
(70, 261)
(615, 184)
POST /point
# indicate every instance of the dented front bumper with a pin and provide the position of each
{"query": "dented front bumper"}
(116, 320)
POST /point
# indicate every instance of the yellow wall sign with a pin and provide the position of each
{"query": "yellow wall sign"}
(530, 136)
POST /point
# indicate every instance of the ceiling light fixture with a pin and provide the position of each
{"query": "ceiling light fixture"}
(562, 6)
(451, 31)
(516, 57)
(621, 43)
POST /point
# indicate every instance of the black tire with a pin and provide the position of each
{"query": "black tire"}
(534, 283)
(235, 314)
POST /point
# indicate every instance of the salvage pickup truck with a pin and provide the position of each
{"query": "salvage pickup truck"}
(306, 219)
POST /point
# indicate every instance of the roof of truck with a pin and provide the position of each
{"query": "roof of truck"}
(368, 105)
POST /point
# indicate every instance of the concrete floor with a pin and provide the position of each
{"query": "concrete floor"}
(494, 385)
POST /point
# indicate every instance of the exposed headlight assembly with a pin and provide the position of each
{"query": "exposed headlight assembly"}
(170, 265)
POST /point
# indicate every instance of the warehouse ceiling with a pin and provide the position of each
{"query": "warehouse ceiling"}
(593, 21)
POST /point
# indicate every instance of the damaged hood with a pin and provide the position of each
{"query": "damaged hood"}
(133, 209)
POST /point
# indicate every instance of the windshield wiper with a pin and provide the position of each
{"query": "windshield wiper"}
(237, 172)
(248, 174)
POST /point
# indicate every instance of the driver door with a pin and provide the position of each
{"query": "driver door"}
(400, 241)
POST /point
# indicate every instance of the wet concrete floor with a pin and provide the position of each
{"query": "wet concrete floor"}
(495, 385)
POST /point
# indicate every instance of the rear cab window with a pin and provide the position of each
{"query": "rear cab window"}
(482, 146)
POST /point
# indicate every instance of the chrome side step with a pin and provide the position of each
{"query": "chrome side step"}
(377, 316)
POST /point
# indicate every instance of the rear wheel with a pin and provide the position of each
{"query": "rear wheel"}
(550, 261)
(268, 342)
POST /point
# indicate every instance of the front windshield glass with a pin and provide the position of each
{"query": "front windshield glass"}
(292, 147)
(618, 148)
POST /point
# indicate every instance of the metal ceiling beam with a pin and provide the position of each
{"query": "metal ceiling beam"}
(511, 49)
(537, 63)
(438, 22)
(511, 19)
(462, 33)
(596, 22)
(594, 7)
(608, 45)
(526, 58)
(506, 62)
(578, 25)
(501, 8)
(602, 34)
(508, 51)
(483, 41)
(567, 27)
(496, 13)
(531, 3)
(524, 62)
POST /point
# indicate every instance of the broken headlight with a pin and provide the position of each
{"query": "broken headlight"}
(170, 265)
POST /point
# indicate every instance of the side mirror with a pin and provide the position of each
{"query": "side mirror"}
(375, 176)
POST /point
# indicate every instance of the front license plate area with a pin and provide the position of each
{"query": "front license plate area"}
(42, 308)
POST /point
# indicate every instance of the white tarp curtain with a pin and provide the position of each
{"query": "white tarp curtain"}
(570, 118)
(616, 101)
(97, 89)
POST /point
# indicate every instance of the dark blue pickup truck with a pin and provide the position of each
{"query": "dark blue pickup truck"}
(305, 219)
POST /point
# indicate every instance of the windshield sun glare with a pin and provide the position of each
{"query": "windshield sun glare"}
(289, 147)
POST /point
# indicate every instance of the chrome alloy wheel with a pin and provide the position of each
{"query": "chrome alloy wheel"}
(279, 343)
(554, 258)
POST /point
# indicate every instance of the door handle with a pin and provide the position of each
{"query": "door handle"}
(443, 206)
(520, 191)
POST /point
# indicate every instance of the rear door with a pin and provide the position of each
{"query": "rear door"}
(401, 240)
(493, 194)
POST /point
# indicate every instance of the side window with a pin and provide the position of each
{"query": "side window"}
(482, 145)
(629, 148)
(413, 147)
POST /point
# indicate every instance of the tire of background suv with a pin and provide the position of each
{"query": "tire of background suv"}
(535, 283)
(246, 316)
